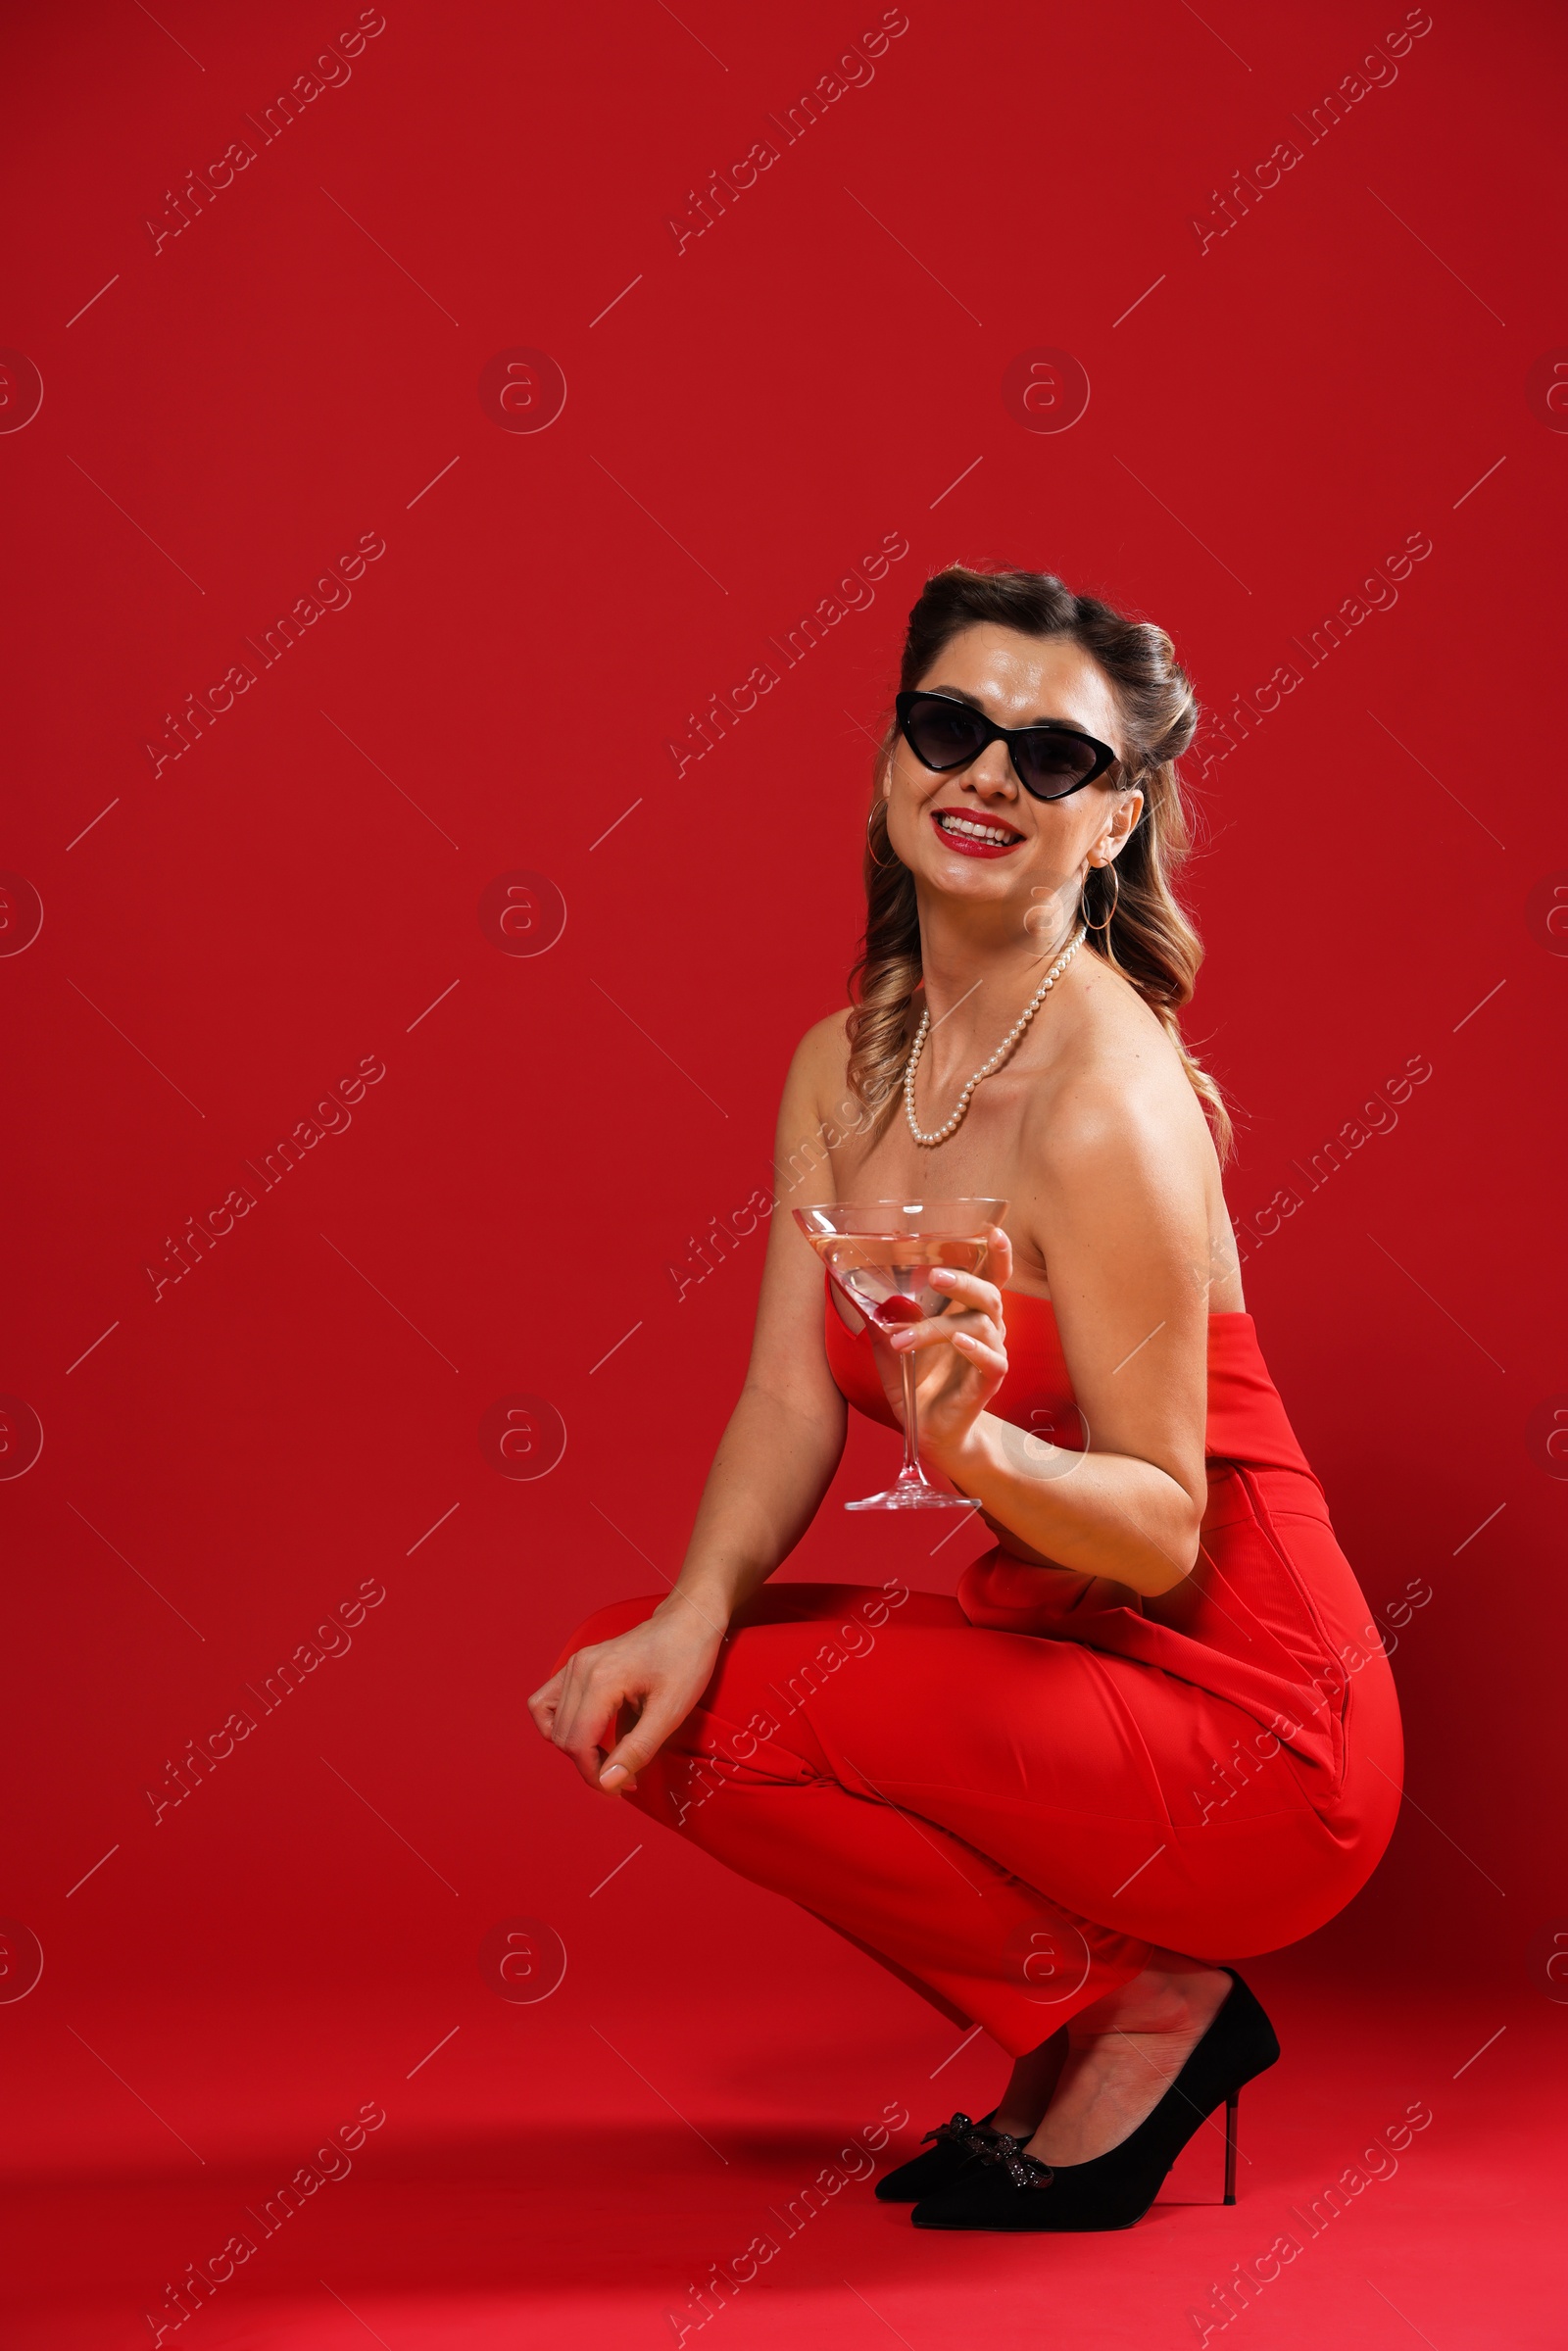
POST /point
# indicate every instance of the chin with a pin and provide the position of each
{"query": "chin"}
(949, 870)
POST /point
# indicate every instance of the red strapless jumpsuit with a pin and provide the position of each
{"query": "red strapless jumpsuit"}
(1009, 1795)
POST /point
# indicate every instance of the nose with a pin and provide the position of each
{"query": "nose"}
(991, 774)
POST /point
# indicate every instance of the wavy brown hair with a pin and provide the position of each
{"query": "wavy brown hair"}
(1149, 940)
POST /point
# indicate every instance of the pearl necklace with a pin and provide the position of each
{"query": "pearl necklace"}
(1008, 1042)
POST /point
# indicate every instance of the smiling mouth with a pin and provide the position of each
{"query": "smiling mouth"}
(980, 832)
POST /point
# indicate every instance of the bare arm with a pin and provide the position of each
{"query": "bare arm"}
(773, 1465)
(778, 1456)
(1121, 1196)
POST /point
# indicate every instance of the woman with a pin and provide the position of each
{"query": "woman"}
(1127, 1748)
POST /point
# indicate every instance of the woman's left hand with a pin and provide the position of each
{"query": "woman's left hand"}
(960, 1356)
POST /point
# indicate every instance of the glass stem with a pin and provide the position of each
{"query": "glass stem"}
(911, 1435)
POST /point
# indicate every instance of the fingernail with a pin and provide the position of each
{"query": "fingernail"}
(612, 1774)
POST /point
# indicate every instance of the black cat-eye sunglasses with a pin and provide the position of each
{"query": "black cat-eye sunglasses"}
(1049, 760)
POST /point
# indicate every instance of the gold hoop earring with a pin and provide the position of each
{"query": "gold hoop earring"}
(881, 863)
(1110, 868)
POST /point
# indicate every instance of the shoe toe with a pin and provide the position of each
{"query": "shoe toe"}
(985, 2197)
(928, 2173)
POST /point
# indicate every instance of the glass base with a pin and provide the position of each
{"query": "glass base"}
(913, 1493)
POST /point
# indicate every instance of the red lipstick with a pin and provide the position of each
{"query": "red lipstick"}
(965, 843)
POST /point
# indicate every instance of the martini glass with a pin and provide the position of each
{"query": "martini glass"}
(881, 1254)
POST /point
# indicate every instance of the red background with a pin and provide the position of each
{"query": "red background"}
(1364, 356)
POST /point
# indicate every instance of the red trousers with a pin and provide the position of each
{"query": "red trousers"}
(1009, 1823)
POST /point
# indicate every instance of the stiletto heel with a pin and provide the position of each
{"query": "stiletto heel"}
(1232, 2107)
(1009, 2190)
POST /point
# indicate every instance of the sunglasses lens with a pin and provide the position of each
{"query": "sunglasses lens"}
(946, 735)
(1053, 763)
(942, 734)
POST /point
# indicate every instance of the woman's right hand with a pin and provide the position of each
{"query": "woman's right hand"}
(660, 1668)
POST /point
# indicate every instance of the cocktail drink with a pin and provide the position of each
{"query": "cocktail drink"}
(881, 1254)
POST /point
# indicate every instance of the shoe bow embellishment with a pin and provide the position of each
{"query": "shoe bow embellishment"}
(960, 2127)
(1024, 2171)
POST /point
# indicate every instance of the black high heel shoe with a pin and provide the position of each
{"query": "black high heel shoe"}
(957, 2144)
(1013, 2191)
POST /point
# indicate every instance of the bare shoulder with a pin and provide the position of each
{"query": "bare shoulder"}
(1117, 1095)
(1122, 1193)
(819, 1066)
(824, 1050)
(815, 1102)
